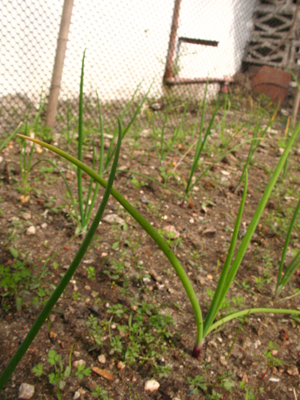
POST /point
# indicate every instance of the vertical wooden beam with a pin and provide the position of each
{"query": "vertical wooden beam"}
(59, 62)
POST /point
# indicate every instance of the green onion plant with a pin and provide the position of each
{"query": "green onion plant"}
(200, 142)
(231, 266)
(232, 263)
(86, 205)
(67, 276)
(256, 139)
(166, 146)
(284, 276)
(10, 137)
(26, 157)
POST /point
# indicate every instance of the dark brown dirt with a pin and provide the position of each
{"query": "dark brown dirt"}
(205, 223)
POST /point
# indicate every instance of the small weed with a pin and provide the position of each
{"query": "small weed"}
(272, 361)
(91, 273)
(100, 393)
(197, 383)
(59, 377)
(16, 281)
(95, 330)
(162, 371)
(76, 296)
(143, 338)
(249, 393)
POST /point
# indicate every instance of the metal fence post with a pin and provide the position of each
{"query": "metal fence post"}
(59, 62)
(171, 49)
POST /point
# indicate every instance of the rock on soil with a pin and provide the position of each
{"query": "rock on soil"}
(114, 219)
(151, 385)
(26, 391)
(31, 230)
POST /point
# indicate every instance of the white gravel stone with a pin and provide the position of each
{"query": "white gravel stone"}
(152, 385)
(31, 230)
(26, 391)
(114, 219)
(102, 359)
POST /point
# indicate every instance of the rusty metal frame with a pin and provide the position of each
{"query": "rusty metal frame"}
(169, 78)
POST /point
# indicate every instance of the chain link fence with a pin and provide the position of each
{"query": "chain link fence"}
(173, 45)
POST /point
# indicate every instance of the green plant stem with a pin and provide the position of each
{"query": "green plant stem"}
(239, 314)
(10, 137)
(66, 278)
(80, 139)
(148, 228)
(127, 128)
(163, 185)
(199, 149)
(256, 217)
(280, 279)
(86, 208)
(234, 148)
(255, 143)
(64, 179)
(217, 299)
(288, 273)
(101, 161)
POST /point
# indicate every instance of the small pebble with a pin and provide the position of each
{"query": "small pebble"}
(257, 343)
(114, 219)
(44, 225)
(78, 362)
(223, 361)
(152, 385)
(121, 365)
(102, 359)
(27, 215)
(274, 380)
(31, 230)
(76, 395)
(293, 370)
(26, 391)
(144, 200)
(24, 199)
(171, 229)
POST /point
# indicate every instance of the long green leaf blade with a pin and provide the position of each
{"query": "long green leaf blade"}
(259, 210)
(286, 244)
(66, 278)
(147, 227)
(80, 140)
(219, 295)
(239, 314)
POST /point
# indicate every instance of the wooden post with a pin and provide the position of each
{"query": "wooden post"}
(59, 62)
